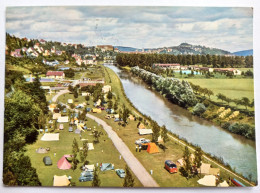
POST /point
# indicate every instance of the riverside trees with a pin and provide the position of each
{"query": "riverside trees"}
(177, 91)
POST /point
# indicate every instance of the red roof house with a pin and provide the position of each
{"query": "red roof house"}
(55, 74)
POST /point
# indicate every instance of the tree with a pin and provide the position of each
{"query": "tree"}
(115, 106)
(164, 134)
(245, 101)
(75, 146)
(74, 161)
(71, 89)
(109, 95)
(96, 181)
(210, 93)
(199, 109)
(221, 97)
(110, 105)
(87, 98)
(186, 170)
(76, 94)
(125, 113)
(69, 73)
(96, 135)
(129, 179)
(156, 131)
(198, 157)
(84, 152)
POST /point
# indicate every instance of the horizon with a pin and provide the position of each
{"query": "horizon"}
(226, 28)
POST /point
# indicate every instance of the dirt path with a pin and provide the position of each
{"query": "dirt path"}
(54, 98)
(133, 163)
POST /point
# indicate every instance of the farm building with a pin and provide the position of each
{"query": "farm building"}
(55, 74)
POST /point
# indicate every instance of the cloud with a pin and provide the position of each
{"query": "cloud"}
(226, 28)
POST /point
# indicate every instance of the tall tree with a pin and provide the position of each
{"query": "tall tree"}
(129, 179)
(164, 134)
(96, 181)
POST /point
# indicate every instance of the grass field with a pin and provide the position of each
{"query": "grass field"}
(232, 88)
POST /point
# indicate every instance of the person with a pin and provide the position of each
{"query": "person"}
(140, 147)
(136, 147)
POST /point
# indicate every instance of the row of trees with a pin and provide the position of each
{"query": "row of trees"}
(217, 61)
(24, 107)
(179, 92)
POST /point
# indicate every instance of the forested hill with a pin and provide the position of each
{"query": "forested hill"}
(244, 53)
(183, 48)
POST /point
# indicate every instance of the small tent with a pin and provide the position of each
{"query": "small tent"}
(223, 184)
(47, 161)
(208, 180)
(204, 168)
(89, 168)
(131, 118)
(61, 127)
(61, 181)
(141, 126)
(50, 137)
(145, 131)
(64, 119)
(56, 115)
(70, 129)
(70, 101)
(90, 146)
(180, 162)
(63, 163)
(116, 116)
(96, 110)
(106, 166)
(152, 148)
(41, 150)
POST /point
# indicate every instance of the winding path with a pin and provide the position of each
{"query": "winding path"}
(54, 99)
(133, 163)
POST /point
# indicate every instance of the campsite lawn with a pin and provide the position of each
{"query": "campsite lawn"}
(104, 151)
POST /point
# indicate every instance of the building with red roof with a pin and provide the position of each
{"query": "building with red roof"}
(55, 74)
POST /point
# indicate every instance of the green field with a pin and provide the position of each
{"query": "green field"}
(232, 88)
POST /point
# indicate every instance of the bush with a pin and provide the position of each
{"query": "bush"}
(199, 109)
(243, 129)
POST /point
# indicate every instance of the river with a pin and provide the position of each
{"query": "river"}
(238, 152)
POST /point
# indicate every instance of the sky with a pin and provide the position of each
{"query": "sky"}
(229, 28)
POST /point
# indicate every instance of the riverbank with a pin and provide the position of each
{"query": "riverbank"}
(119, 90)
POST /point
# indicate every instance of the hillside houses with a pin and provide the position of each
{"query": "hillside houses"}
(16, 53)
(55, 74)
(170, 66)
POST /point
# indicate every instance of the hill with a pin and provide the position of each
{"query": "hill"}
(244, 53)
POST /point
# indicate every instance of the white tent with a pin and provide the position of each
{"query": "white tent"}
(204, 168)
(56, 115)
(64, 119)
(70, 101)
(90, 146)
(223, 184)
(145, 131)
(60, 181)
(89, 168)
(208, 180)
(50, 137)
(180, 161)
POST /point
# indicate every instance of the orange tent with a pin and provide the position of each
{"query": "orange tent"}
(152, 148)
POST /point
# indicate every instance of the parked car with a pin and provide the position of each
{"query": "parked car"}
(86, 176)
(142, 141)
(170, 166)
(120, 173)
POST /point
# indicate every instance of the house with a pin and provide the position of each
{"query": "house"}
(55, 74)
(42, 41)
(59, 53)
(106, 89)
(53, 50)
(16, 53)
(46, 53)
(67, 62)
(171, 66)
(64, 119)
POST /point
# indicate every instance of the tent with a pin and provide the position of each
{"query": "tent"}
(223, 184)
(70, 101)
(90, 146)
(47, 161)
(214, 171)
(106, 166)
(50, 137)
(63, 163)
(60, 181)
(61, 127)
(41, 150)
(145, 131)
(116, 116)
(56, 115)
(208, 180)
(152, 148)
(89, 168)
(52, 107)
(141, 126)
(180, 162)
(64, 119)
(204, 168)
(131, 118)
(70, 129)
(96, 110)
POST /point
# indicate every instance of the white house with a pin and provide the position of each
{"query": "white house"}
(106, 88)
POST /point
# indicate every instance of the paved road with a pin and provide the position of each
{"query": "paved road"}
(137, 168)
(54, 99)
